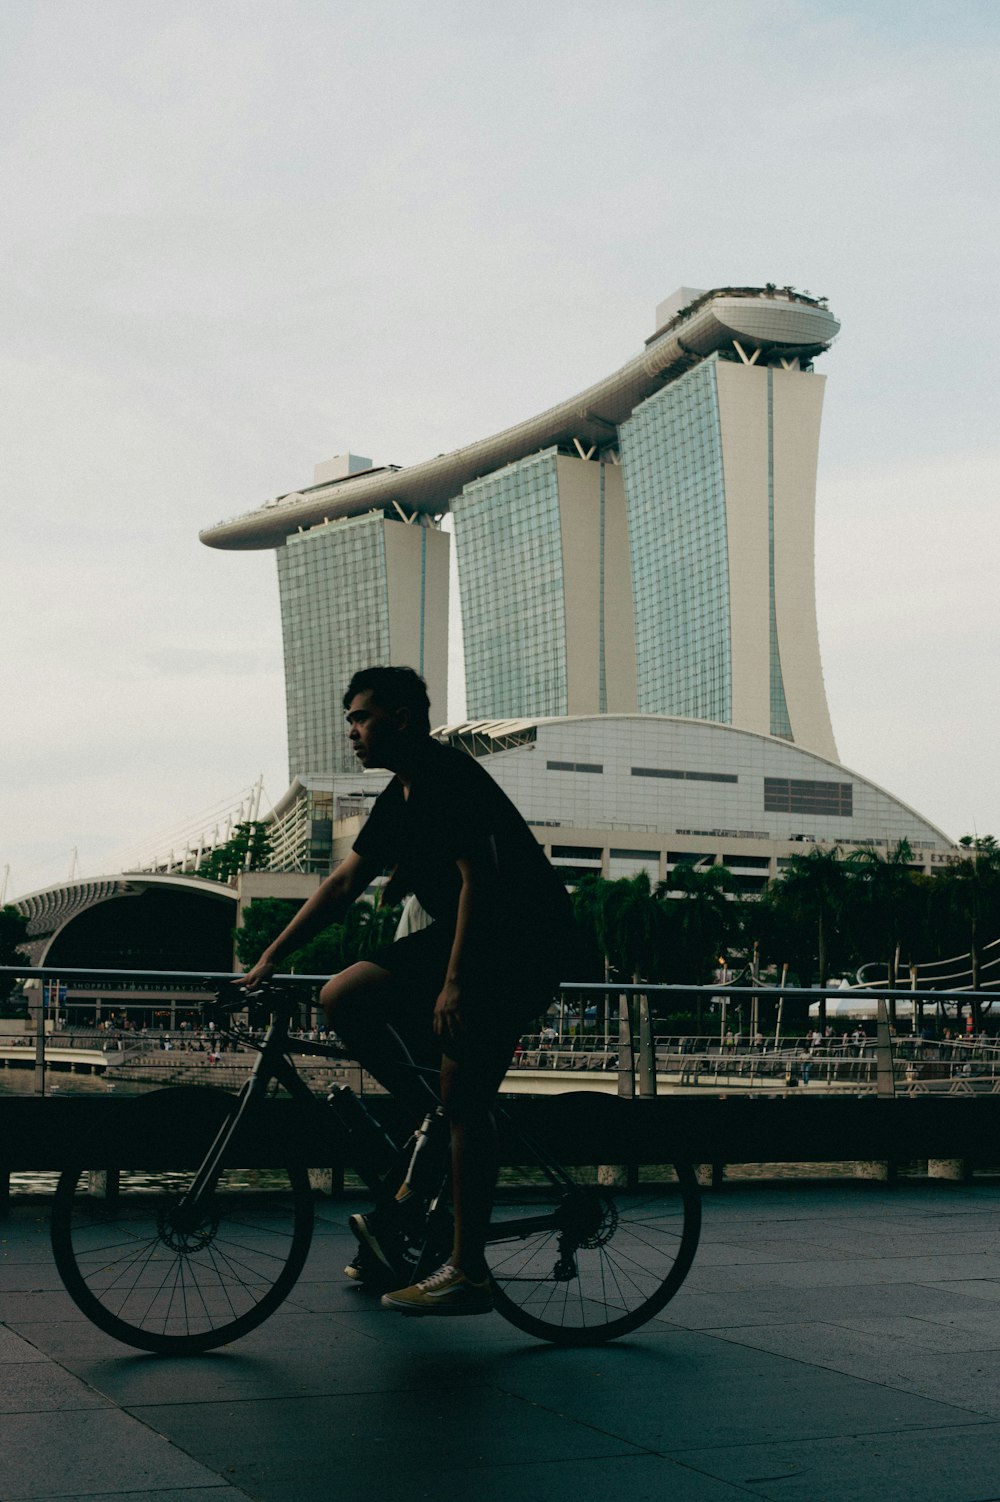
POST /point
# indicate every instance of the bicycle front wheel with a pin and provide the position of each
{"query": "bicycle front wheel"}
(154, 1277)
(579, 1259)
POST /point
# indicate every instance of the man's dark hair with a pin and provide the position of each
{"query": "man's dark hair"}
(394, 688)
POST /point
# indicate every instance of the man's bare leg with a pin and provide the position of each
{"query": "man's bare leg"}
(469, 1091)
(356, 1007)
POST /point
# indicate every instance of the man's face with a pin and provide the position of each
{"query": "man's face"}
(373, 732)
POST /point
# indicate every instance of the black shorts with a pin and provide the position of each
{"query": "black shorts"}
(502, 994)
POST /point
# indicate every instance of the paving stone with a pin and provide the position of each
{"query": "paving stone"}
(987, 1289)
(831, 1342)
(969, 1382)
(956, 1465)
(667, 1398)
(214, 1491)
(83, 1454)
(43, 1387)
(14, 1348)
(954, 1332)
(846, 1273)
(372, 1442)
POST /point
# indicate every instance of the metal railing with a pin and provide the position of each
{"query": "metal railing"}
(876, 1062)
(645, 1062)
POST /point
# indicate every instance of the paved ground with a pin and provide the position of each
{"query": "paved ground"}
(831, 1343)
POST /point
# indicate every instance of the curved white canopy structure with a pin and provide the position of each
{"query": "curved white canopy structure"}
(755, 320)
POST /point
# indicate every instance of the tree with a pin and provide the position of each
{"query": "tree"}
(622, 924)
(632, 927)
(808, 904)
(262, 922)
(703, 918)
(247, 849)
(365, 928)
(969, 890)
(13, 933)
(883, 903)
(587, 896)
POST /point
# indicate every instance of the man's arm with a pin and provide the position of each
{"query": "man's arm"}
(478, 873)
(331, 899)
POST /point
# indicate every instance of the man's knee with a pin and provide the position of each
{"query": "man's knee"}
(469, 1088)
(348, 998)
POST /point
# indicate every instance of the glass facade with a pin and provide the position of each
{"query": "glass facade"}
(508, 541)
(671, 455)
(335, 619)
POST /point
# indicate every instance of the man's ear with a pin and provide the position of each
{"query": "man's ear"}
(404, 719)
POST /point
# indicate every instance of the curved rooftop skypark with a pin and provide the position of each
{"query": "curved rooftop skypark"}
(643, 547)
(754, 323)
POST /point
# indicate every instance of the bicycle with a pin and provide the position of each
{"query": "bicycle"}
(577, 1256)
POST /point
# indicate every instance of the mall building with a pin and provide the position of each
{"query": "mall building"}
(617, 794)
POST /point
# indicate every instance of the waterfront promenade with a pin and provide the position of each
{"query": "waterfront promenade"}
(832, 1343)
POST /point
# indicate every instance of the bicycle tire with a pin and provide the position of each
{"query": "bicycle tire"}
(603, 1258)
(152, 1284)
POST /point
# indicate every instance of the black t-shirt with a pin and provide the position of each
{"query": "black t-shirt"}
(456, 810)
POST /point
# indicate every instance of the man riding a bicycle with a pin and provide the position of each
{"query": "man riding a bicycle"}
(465, 987)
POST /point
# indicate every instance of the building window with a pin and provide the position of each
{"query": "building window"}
(685, 776)
(794, 795)
(574, 766)
(570, 875)
(577, 852)
(635, 855)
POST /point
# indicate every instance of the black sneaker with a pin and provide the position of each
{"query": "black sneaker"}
(377, 1241)
(368, 1273)
(356, 1269)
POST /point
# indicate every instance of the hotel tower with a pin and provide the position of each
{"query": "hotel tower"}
(645, 547)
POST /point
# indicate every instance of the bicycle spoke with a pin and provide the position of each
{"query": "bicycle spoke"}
(613, 1261)
(164, 1278)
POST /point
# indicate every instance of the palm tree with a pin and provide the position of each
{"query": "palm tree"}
(625, 923)
(811, 895)
(703, 918)
(631, 926)
(882, 901)
(588, 898)
(13, 933)
(970, 889)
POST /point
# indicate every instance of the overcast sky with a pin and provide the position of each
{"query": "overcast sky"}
(239, 238)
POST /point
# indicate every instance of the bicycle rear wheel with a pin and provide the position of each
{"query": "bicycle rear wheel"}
(577, 1261)
(142, 1271)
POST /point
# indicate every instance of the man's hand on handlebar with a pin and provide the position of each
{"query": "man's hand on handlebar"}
(257, 975)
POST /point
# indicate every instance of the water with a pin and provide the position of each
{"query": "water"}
(61, 1082)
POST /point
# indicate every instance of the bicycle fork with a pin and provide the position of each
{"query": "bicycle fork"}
(270, 1064)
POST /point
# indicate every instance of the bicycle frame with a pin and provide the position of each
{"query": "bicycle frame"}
(271, 1065)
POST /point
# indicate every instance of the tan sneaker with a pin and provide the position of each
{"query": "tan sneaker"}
(447, 1291)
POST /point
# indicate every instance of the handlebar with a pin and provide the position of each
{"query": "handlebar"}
(260, 1004)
